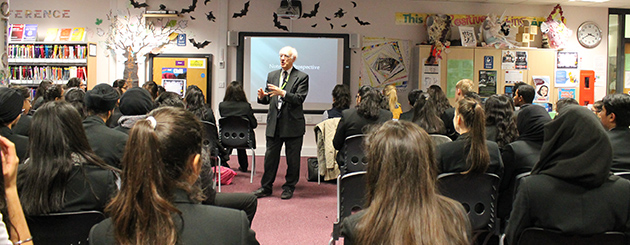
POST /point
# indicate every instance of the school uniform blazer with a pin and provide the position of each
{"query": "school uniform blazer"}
(518, 157)
(351, 123)
(198, 224)
(619, 139)
(20, 142)
(552, 203)
(239, 109)
(107, 143)
(290, 122)
(452, 156)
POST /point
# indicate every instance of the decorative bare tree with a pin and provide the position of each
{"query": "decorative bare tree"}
(133, 37)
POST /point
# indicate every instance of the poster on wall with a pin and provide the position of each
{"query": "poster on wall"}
(385, 61)
(521, 60)
(542, 88)
(174, 80)
(513, 76)
(627, 83)
(487, 83)
(457, 70)
(567, 78)
(567, 60)
(430, 73)
(566, 93)
(508, 59)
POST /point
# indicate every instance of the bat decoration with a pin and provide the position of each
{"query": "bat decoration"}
(192, 18)
(314, 25)
(339, 13)
(277, 23)
(313, 12)
(331, 25)
(363, 23)
(199, 45)
(138, 5)
(354, 51)
(243, 11)
(354, 4)
(328, 19)
(190, 8)
(205, 2)
(211, 17)
(162, 7)
(344, 25)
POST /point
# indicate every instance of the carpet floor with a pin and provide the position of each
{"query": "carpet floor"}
(307, 218)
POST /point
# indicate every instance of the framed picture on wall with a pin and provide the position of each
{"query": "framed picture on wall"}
(467, 34)
(92, 49)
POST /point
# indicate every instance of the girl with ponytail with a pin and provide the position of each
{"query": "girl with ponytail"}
(158, 202)
(471, 152)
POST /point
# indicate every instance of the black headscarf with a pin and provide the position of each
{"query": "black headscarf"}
(10, 105)
(576, 148)
(530, 123)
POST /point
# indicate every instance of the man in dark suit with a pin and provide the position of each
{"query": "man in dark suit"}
(615, 116)
(285, 93)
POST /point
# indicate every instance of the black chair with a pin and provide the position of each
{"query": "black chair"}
(236, 133)
(353, 154)
(209, 143)
(350, 198)
(625, 175)
(63, 228)
(478, 194)
(439, 139)
(535, 236)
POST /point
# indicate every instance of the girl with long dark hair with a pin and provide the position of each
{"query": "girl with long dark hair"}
(500, 120)
(403, 204)
(235, 104)
(341, 101)
(158, 202)
(426, 116)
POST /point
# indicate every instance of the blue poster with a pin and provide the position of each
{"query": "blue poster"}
(488, 62)
(181, 40)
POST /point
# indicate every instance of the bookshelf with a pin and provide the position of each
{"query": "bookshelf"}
(32, 62)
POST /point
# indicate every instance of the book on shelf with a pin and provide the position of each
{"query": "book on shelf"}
(78, 34)
(64, 34)
(161, 12)
(17, 31)
(30, 33)
(51, 34)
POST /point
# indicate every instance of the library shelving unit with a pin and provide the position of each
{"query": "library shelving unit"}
(32, 62)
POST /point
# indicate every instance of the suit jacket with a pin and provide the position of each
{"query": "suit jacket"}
(619, 138)
(351, 123)
(518, 157)
(242, 109)
(20, 142)
(199, 224)
(452, 156)
(107, 143)
(548, 202)
(290, 122)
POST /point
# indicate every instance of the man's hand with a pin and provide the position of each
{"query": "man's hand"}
(261, 93)
(275, 91)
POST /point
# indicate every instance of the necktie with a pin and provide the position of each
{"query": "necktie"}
(283, 83)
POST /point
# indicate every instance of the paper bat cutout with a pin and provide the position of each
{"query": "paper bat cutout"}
(363, 23)
(354, 4)
(344, 25)
(199, 45)
(339, 13)
(211, 17)
(243, 11)
(331, 25)
(192, 18)
(206, 2)
(190, 8)
(314, 25)
(138, 5)
(277, 23)
(313, 12)
(328, 19)
(162, 7)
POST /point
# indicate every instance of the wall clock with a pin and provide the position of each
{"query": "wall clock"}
(589, 35)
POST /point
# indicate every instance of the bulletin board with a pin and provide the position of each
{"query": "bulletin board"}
(195, 69)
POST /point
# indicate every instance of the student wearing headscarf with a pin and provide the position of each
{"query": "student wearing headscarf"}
(11, 103)
(135, 103)
(571, 188)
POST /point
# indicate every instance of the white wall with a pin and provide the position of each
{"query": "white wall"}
(259, 19)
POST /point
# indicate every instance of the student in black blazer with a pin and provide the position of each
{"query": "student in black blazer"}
(571, 189)
(615, 116)
(164, 164)
(285, 93)
(235, 104)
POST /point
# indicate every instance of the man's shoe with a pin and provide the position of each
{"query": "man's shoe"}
(262, 192)
(287, 194)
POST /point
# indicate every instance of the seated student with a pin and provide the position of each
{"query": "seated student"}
(564, 102)
(597, 107)
(412, 97)
(106, 142)
(11, 104)
(500, 123)
(471, 152)
(23, 126)
(341, 101)
(135, 103)
(39, 94)
(62, 173)
(403, 205)
(426, 116)
(169, 99)
(76, 97)
(462, 88)
(571, 189)
(13, 224)
(235, 104)
(53, 93)
(152, 87)
(615, 116)
(391, 96)
(163, 163)
(357, 120)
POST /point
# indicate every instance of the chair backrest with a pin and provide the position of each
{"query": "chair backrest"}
(477, 193)
(354, 154)
(210, 137)
(63, 228)
(518, 180)
(235, 132)
(535, 235)
(439, 139)
(625, 175)
(350, 193)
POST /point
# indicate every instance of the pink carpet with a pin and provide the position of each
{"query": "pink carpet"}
(307, 218)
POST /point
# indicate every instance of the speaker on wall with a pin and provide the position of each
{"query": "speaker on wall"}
(232, 38)
(355, 40)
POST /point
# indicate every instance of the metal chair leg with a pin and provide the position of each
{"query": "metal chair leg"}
(251, 177)
(219, 164)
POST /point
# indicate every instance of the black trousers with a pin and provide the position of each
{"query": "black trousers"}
(242, 157)
(240, 201)
(293, 149)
